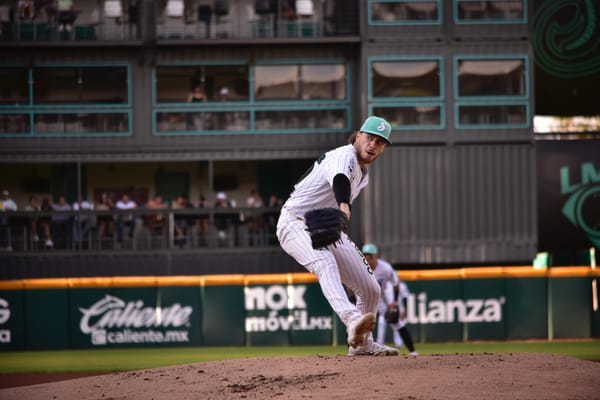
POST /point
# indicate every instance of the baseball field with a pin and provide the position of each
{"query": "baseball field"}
(473, 370)
(112, 360)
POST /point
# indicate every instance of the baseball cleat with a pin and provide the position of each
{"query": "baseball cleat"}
(360, 328)
(373, 349)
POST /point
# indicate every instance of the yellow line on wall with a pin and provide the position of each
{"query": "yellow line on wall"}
(263, 279)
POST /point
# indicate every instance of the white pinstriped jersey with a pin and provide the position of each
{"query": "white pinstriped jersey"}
(314, 189)
(387, 278)
(403, 292)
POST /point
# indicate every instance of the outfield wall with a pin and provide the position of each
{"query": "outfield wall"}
(491, 303)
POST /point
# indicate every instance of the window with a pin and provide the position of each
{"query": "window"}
(201, 121)
(300, 82)
(406, 78)
(275, 97)
(408, 92)
(405, 12)
(470, 11)
(80, 84)
(492, 115)
(76, 100)
(14, 124)
(491, 77)
(80, 123)
(492, 92)
(174, 83)
(401, 116)
(14, 86)
(301, 119)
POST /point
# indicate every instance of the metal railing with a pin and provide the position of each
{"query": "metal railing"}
(138, 229)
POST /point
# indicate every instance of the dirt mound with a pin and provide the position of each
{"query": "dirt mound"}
(459, 376)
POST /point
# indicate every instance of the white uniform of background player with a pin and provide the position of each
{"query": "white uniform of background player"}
(393, 291)
(335, 180)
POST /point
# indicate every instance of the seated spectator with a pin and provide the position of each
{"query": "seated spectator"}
(26, 9)
(50, 7)
(254, 221)
(66, 15)
(155, 222)
(6, 204)
(106, 222)
(125, 220)
(45, 222)
(202, 222)
(62, 221)
(223, 222)
(33, 206)
(83, 223)
(133, 19)
(182, 222)
(272, 217)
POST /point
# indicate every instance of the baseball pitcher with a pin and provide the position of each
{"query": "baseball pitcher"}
(333, 182)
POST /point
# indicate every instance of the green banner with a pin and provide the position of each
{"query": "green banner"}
(279, 311)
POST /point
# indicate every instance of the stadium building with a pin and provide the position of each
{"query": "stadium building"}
(211, 100)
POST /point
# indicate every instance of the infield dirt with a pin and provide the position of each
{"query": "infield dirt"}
(459, 376)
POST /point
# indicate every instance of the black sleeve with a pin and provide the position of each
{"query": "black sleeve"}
(341, 188)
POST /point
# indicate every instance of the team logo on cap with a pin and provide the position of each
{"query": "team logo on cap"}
(381, 127)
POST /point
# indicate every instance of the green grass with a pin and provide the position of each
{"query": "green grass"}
(111, 360)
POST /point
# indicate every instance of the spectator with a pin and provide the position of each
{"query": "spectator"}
(50, 7)
(66, 15)
(222, 221)
(106, 223)
(133, 19)
(254, 220)
(156, 222)
(26, 9)
(83, 222)
(224, 94)
(45, 221)
(182, 222)
(7, 204)
(33, 206)
(62, 221)
(197, 95)
(123, 219)
(271, 218)
(202, 222)
(196, 120)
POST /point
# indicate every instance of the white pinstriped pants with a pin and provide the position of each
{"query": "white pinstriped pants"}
(334, 266)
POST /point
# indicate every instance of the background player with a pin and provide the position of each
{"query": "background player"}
(393, 292)
(335, 180)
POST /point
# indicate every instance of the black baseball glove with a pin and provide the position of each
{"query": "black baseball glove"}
(392, 315)
(325, 226)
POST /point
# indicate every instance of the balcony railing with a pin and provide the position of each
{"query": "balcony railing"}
(192, 21)
(138, 229)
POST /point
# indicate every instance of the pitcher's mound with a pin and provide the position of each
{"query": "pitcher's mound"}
(460, 376)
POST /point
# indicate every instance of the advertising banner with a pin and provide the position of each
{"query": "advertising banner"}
(568, 193)
(287, 314)
(223, 314)
(443, 306)
(132, 317)
(12, 320)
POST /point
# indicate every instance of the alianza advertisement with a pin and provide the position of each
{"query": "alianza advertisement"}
(499, 303)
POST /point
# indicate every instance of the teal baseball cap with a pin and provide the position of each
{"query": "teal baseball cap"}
(377, 126)
(369, 248)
